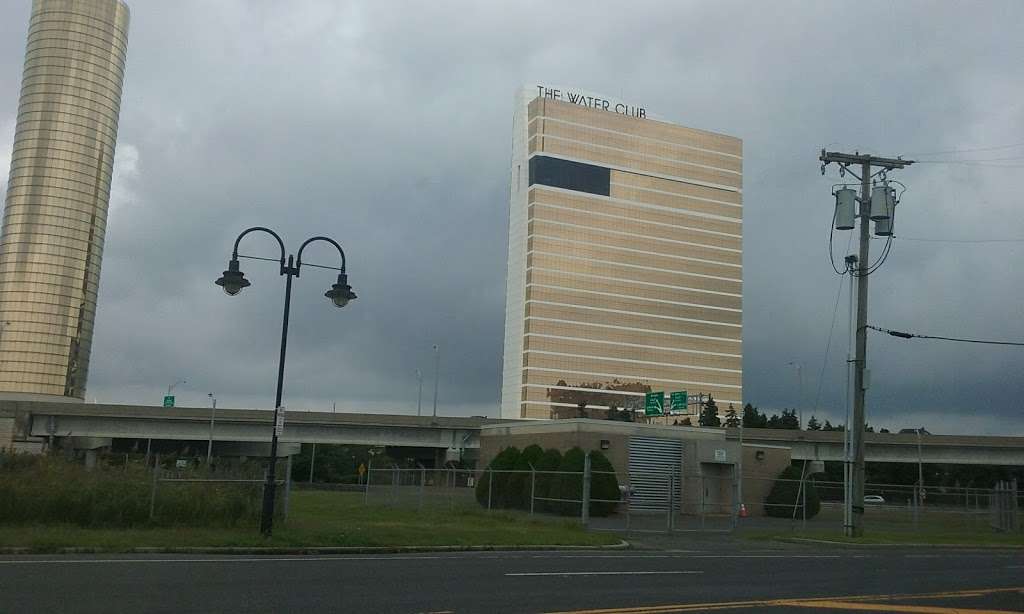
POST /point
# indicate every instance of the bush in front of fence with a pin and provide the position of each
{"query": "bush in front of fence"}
(52, 490)
(569, 482)
(785, 499)
(546, 482)
(499, 494)
(604, 485)
(522, 487)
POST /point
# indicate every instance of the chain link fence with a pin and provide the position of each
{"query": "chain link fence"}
(666, 502)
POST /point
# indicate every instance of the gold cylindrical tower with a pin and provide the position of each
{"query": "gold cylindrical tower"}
(56, 207)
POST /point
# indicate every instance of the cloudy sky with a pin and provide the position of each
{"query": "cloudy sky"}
(387, 126)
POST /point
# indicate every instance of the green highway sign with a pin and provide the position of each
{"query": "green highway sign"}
(169, 401)
(654, 402)
(679, 401)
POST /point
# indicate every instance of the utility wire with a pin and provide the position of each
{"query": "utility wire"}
(956, 151)
(901, 238)
(902, 335)
(828, 344)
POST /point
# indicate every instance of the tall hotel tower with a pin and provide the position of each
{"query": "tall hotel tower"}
(56, 207)
(625, 258)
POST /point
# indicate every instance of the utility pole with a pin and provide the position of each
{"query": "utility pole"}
(437, 374)
(419, 397)
(860, 383)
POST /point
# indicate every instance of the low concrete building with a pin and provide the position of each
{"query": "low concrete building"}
(703, 466)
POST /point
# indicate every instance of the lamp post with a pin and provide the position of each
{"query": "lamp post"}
(800, 392)
(213, 415)
(437, 372)
(419, 396)
(233, 281)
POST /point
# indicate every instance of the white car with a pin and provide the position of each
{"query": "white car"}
(873, 500)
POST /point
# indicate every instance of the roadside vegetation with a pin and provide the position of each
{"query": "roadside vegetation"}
(558, 476)
(326, 519)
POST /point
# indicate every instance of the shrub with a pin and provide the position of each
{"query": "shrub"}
(521, 483)
(785, 499)
(569, 484)
(551, 460)
(49, 489)
(500, 492)
(604, 484)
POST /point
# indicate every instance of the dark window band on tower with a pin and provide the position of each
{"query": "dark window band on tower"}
(569, 175)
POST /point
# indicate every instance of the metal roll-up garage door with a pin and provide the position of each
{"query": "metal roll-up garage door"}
(653, 462)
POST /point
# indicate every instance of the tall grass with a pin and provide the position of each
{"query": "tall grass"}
(52, 490)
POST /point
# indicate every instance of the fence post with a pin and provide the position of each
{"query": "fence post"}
(423, 482)
(395, 477)
(287, 486)
(152, 492)
(585, 503)
(490, 486)
(366, 484)
(533, 486)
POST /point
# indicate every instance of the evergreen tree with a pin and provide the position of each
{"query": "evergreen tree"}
(550, 461)
(813, 424)
(752, 418)
(731, 419)
(521, 483)
(789, 420)
(786, 499)
(604, 485)
(709, 413)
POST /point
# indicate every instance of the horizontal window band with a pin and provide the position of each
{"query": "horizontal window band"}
(697, 221)
(578, 154)
(646, 127)
(732, 314)
(632, 369)
(638, 362)
(619, 255)
(631, 305)
(634, 314)
(554, 254)
(647, 331)
(682, 294)
(588, 375)
(602, 213)
(545, 118)
(683, 349)
(614, 272)
(546, 136)
(603, 236)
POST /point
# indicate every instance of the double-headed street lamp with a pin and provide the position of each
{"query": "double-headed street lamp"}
(233, 281)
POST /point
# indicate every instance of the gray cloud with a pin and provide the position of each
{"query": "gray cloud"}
(387, 127)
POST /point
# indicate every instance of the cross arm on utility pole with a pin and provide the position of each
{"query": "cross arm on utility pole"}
(859, 158)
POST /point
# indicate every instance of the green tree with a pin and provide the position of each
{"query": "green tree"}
(785, 499)
(709, 413)
(731, 419)
(813, 424)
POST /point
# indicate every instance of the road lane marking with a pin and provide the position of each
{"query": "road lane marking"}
(864, 606)
(601, 573)
(762, 603)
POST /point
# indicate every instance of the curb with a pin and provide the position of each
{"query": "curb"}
(807, 540)
(309, 550)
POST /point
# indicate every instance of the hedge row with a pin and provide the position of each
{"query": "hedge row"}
(512, 490)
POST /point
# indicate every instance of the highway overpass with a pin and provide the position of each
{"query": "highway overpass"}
(92, 425)
(891, 447)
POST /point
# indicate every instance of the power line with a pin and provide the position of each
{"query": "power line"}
(960, 240)
(956, 151)
(902, 335)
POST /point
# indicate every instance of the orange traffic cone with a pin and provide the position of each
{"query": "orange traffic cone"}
(743, 511)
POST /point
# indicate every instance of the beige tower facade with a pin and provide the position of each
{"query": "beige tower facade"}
(55, 212)
(625, 258)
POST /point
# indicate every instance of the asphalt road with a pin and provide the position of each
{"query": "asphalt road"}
(749, 578)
